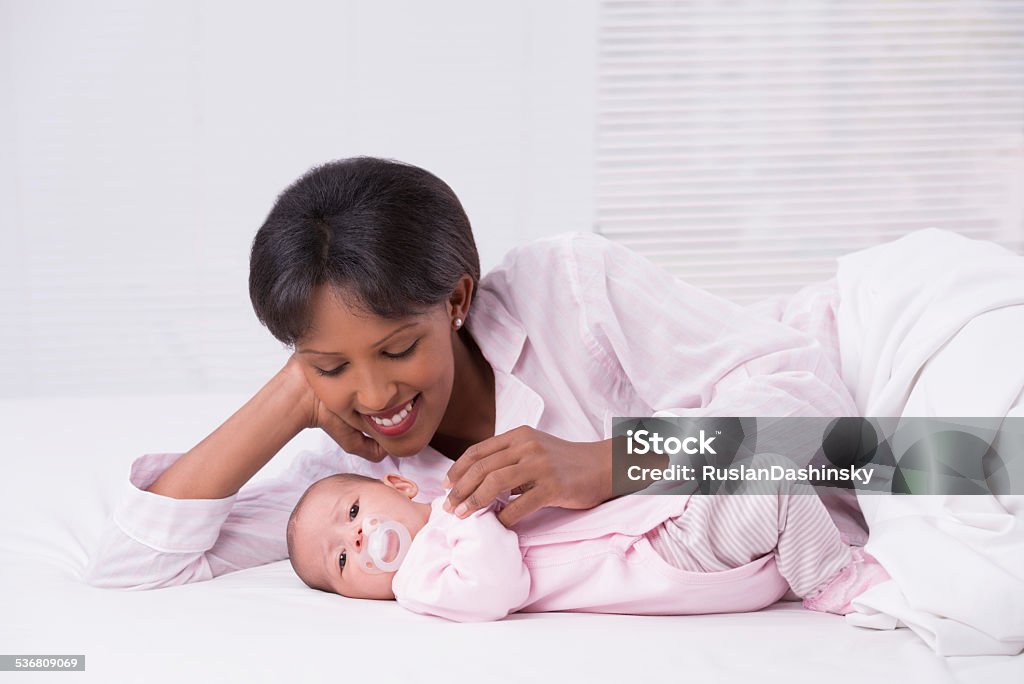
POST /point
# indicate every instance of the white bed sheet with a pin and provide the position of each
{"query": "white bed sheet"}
(66, 462)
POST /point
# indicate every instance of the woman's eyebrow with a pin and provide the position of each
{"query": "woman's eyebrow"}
(375, 344)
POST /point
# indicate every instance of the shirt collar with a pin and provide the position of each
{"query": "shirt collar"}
(498, 334)
(501, 339)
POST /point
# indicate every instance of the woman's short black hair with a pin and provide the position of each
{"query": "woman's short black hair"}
(392, 235)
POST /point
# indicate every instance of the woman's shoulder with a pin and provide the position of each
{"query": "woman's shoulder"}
(558, 287)
(570, 245)
(572, 259)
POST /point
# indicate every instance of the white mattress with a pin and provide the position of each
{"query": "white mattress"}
(67, 460)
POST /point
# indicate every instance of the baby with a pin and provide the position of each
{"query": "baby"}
(648, 555)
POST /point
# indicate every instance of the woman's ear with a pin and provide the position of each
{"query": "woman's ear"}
(462, 295)
(401, 484)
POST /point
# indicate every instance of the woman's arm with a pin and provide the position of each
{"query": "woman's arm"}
(218, 466)
(187, 517)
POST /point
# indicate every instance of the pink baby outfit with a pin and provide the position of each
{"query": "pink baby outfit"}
(577, 329)
(597, 561)
(641, 555)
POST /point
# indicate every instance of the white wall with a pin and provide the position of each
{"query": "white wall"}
(143, 143)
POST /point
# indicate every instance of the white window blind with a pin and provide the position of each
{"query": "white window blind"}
(745, 145)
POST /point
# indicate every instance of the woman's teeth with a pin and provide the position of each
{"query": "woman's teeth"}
(397, 418)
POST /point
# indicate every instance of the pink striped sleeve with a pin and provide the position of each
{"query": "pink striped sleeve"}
(155, 541)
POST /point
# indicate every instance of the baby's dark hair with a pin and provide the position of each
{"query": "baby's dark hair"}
(293, 518)
(391, 235)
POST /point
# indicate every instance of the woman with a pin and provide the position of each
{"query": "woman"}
(411, 363)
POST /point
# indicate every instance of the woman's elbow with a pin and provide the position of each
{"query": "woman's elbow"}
(111, 572)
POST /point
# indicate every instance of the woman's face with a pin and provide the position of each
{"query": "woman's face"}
(390, 379)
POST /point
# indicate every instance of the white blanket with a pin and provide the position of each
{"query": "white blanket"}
(933, 325)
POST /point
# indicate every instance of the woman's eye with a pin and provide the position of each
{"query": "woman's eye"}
(399, 355)
(354, 511)
(404, 353)
(329, 373)
(341, 560)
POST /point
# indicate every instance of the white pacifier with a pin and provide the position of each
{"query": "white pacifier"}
(385, 543)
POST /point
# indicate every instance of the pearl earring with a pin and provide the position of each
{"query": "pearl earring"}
(458, 323)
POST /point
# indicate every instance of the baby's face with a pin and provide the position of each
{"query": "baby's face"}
(328, 533)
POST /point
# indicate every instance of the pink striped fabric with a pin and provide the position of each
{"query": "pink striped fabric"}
(725, 531)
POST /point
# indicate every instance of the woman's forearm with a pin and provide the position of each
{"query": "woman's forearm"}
(219, 465)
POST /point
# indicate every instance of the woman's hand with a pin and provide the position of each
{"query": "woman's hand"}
(348, 438)
(544, 470)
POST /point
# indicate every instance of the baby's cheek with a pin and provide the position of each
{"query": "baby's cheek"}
(384, 590)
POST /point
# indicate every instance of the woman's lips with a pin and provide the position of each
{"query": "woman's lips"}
(395, 430)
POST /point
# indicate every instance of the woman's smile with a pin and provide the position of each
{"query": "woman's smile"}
(399, 421)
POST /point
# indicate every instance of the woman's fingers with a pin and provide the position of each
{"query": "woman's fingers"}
(367, 448)
(522, 506)
(348, 438)
(484, 480)
(475, 453)
(543, 469)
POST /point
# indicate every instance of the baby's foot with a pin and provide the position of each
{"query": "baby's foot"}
(852, 581)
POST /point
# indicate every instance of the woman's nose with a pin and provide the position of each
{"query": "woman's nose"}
(376, 394)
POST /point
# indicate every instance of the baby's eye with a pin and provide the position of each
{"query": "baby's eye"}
(354, 511)
(341, 560)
